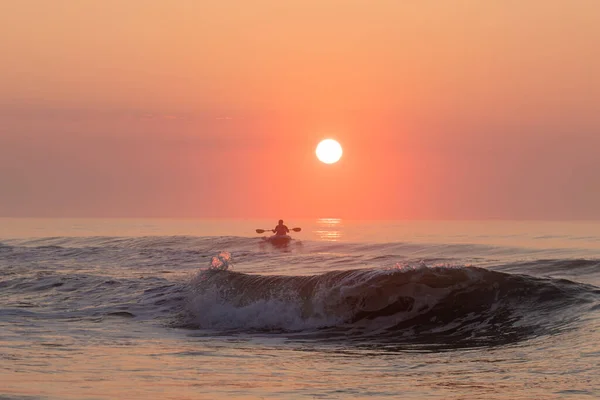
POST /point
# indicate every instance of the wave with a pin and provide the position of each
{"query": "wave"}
(188, 248)
(405, 305)
(92, 277)
(574, 266)
(53, 295)
(140, 242)
(436, 305)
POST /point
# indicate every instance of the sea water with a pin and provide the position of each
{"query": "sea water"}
(207, 309)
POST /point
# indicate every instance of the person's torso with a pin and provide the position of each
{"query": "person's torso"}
(281, 230)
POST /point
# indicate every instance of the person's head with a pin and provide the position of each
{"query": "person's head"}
(280, 222)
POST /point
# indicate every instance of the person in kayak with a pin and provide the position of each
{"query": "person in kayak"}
(281, 229)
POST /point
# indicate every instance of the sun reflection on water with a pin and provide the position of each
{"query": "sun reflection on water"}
(329, 229)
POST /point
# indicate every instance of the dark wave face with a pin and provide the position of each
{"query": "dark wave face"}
(439, 306)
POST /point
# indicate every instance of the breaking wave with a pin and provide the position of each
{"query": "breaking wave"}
(157, 278)
(443, 305)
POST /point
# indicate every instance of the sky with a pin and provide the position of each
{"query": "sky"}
(459, 109)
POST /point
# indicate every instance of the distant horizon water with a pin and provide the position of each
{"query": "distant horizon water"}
(573, 236)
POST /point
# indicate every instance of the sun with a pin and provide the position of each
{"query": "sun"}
(329, 151)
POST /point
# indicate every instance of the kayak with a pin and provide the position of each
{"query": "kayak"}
(279, 240)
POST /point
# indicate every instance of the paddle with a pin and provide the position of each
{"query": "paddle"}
(270, 230)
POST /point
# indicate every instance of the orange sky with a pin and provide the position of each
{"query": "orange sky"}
(445, 109)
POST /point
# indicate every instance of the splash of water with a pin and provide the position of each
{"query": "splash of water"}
(221, 262)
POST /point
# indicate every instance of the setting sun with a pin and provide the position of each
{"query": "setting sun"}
(329, 151)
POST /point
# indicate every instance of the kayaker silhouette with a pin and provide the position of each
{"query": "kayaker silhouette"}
(281, 229)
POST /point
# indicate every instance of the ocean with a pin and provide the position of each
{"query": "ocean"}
(207, 309)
